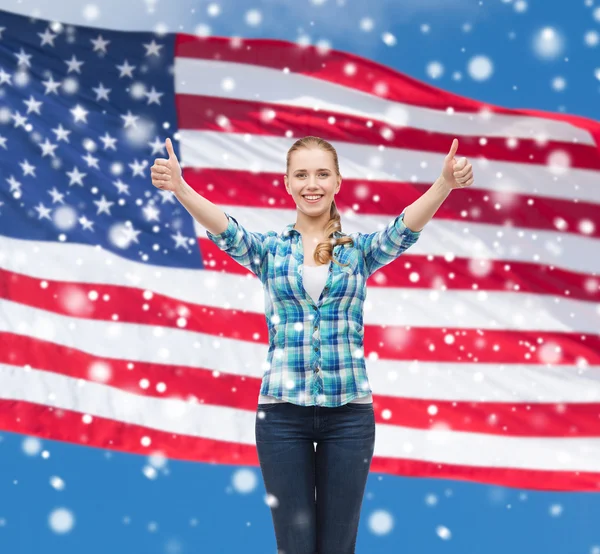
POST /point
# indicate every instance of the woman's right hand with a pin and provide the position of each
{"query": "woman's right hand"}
(166, 173)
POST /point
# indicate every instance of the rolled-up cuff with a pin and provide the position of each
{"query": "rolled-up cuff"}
(404, 230)
(223, 239)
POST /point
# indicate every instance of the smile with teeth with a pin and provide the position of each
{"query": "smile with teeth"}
(313, 198)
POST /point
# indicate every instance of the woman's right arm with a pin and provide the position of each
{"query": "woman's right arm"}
(245, 247)
(166, 175)
(202, 210)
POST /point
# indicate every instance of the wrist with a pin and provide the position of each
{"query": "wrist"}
(181, 189)
(442, 185)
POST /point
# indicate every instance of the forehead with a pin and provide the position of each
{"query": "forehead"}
(311, 158)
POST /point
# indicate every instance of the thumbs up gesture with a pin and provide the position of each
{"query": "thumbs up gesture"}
(166, 172)
(457, 173)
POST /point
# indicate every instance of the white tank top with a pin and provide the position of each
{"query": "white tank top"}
(314, 279)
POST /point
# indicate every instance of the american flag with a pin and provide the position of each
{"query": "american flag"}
(123, 327)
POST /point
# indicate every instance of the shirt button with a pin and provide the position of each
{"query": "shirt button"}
(316, 348)
(316, 328)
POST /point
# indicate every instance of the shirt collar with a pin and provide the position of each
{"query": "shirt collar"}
(289, 230)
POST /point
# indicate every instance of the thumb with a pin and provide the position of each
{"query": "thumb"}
(170, 150)
(453, 149)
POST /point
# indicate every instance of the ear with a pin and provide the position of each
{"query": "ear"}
(285, 181)
(337, 189)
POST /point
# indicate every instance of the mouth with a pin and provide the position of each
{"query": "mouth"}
(312, 199)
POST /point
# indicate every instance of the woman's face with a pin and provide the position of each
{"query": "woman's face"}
(312, 172)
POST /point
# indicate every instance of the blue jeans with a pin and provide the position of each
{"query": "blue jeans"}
(316, 493)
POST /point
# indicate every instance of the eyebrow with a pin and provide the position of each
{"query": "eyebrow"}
(321, 169)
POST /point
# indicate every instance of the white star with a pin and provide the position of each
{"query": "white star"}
(180, 240)
(138, 168)
(91, 161)
(43, 211)
(100, 44)
(158, 147)
(166, 196)
(47, 37)
(101, 92)
(20, 120)
(131, 233)
(3, 142)
(61, 134)
(153, 96)
(75, 178)
(79, 113)
(126, 69)
(56, 196)
(103, 205)
(152, 48)
(74, 64)
(86, 223)
(121, 186)
(27, 168)
(23, 58)
(130, 119)
(109, 142)
(33, 105)
(2, 29)
(5, 77)
(151, 212)
(15, 186)
(48, 148)
(51, 85)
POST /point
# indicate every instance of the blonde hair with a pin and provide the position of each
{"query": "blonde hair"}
(324, 250)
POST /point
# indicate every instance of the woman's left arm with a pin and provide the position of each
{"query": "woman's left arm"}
(455, 174)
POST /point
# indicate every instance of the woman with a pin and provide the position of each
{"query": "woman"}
(315, 390)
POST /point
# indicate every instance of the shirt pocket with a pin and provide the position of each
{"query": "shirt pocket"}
(349, 261)
(347, 281)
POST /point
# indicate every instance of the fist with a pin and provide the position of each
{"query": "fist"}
(457, 173)
(166, 172)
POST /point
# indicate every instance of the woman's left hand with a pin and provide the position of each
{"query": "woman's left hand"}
(457, 173)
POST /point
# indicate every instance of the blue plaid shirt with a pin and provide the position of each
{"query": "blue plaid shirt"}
(315, 354)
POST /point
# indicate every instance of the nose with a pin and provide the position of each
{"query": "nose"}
(313, 183)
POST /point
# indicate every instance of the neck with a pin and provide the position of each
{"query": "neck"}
(311, 226)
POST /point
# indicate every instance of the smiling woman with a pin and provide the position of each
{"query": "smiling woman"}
(315, 322)
(313, 179)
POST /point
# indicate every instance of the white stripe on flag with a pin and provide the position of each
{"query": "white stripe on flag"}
(222, 150)
(237, 426)
(264, 84)
(467, 309)
(445, 237)
(474, 382)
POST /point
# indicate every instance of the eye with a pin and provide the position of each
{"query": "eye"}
(324, 173)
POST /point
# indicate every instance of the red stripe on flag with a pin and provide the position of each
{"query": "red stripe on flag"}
(352, 71)
(64, 425)
(389, 342)
(266, 190)
(454, 274)
(206, 112)
(519, 419)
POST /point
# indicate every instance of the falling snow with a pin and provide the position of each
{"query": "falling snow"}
(481, 55)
